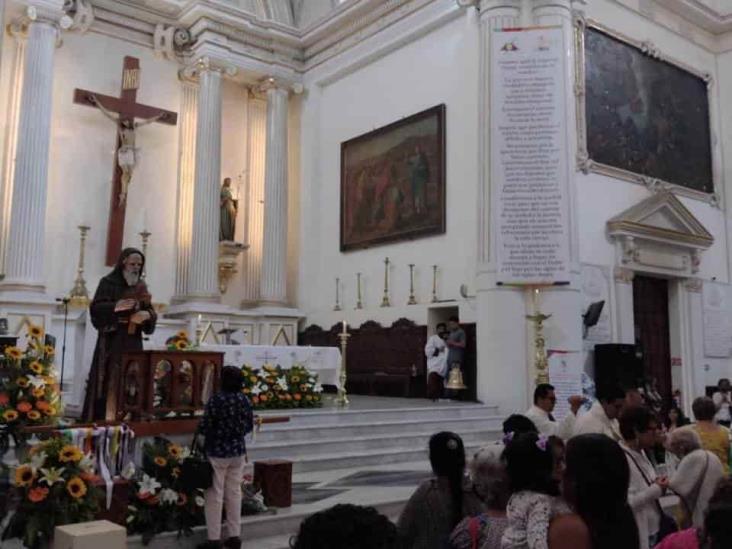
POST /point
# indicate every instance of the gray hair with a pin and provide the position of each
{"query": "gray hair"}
(684, 441)
(490, 479)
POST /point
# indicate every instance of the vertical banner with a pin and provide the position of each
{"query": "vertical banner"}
(529, 171)
(565, 374)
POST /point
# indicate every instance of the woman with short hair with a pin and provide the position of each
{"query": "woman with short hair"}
(714, 438)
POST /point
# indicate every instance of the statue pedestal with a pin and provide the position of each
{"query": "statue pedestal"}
(228, 254)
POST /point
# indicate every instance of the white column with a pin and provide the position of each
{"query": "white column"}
(273, 284)
(26, 242)
(186, 180)
(203, 271)
(625, 317)
(255, 198)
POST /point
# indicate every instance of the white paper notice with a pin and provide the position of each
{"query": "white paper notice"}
(529, 171)
(565, 374)
(717, 320)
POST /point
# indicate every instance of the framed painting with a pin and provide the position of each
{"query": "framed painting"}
(643, 117)
(393, 182)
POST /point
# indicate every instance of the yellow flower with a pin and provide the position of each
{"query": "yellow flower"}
(35, 331)
(76, 488)
(10, 415)
(181, 345)
(175, 451)
(13, 352)
(182, 335)
(70, 453)
(24, 475)
(253, 379)
(36, 367)
(22, 382)
(38, 392)
(34, 415)
(50, 412)
(50, 351)
(160, 461)
(295, 379)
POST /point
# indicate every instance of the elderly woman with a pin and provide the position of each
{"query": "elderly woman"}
(714, 438)
(697, 475)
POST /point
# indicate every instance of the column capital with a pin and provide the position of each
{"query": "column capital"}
(694, 285)
(192, 71)
(624, 275)
(491, 8)
(271, 83)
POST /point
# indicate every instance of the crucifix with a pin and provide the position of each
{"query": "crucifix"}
(128, 115)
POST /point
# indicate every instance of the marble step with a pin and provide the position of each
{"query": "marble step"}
(276, 432)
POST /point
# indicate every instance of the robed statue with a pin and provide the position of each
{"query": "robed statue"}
(228, 207)
(121, 311)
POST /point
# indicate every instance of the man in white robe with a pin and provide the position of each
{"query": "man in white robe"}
(436, 352)
(603, 416)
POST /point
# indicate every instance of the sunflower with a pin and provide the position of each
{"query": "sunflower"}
(22, 382)
(49, 350)
(160, 461)
(253, 379)
(181, 335)
(295, 379)
(35, 331)
(51, 411)
(181, 345)
(10, 415)
(175, 451)
(38, 392)
(36, 367)
(13, 352)
(76, 488)
(70, 453)
(24, 407)
(34, 415)
(24, 475)
(38, 494)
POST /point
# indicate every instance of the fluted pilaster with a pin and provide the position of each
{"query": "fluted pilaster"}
(186, 183)
(203, 271)
(255, 198)
(25, 247)
(273, 284)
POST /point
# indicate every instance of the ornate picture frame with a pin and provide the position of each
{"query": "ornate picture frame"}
(587, 164)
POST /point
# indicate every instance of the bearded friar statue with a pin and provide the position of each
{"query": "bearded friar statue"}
(121, 311)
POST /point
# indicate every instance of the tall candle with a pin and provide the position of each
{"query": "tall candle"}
(345, 327)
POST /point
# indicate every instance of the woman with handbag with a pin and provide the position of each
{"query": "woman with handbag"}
(226, 422)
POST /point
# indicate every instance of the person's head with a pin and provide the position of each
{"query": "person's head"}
(633, 398)
(517, 423)
(595, 484)
(530, 464)
(703, 408)
(544, 397)
(227, 182)
(231, 379)
(346, 525)
(127, 123)
(675, 417)
(453, 323)
(612, 400)
(447, 457)
(490, 480)
(441, 330)
(717, 529)
(130, 265)
(724, 385)
(683, 441)
(638, 425)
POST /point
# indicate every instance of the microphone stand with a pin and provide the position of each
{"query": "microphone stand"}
(65, 302)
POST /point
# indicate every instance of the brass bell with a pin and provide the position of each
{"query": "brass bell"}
(455, 380)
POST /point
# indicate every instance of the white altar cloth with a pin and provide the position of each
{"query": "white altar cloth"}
(324, 361)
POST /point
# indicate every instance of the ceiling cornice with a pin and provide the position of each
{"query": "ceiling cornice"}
(702, 14)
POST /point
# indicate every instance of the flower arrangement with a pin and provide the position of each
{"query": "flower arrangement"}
(160, 502)
(274, 387)
(55, 486)
(180, 342)
(29, 392)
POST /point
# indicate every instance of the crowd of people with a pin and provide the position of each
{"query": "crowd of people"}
(597, 480)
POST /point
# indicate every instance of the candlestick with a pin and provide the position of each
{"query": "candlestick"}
(79, 295)
(338, 298)
(385, 302)
(541, 365)
(342, 398)
(412, 300)
(145, 235)
(359, 303)
(434, 283)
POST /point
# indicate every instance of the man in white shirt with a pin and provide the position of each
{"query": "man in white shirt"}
(436, 352)
(603, 416)
(722, 402)
(541, 412)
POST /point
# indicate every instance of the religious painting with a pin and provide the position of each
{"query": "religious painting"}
(393, 182)
(645, 116)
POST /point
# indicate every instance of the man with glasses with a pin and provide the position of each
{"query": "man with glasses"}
(541, 412)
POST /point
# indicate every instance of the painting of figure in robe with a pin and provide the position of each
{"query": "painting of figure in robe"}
(645, 115)
(393, 182)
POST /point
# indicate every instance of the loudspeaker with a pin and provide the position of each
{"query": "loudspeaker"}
(618, 364)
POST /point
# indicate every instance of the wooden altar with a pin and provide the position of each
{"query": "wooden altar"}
(155, 384)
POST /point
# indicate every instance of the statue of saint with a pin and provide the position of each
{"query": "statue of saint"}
(121, 311)
(127, 154)
(228, 207)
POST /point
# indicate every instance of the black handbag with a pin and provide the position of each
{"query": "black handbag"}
(196, 470)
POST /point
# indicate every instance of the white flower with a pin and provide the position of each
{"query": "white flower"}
(185, 452)
(265, 387)
(37, 460)
(129, 471)
(282, 383)
(256, 390)
(168, 496)
(311, 380)
(148, 485)
(87, 463)
(36, 381)
(52, 475)
(200, 501)
(318, 388)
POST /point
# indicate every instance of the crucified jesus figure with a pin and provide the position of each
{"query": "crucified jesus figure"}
(127, 154)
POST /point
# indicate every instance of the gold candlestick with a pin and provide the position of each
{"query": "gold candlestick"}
(412, 300)
(434, 283)
(541, 365)
(385, 302)
(359, 303)
(79, 296)
(342, 398)
(145, 235)
(338, 295)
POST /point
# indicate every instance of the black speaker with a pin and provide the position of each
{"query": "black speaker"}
(618, 365)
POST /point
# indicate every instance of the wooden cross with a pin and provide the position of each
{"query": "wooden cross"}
(128, 109)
